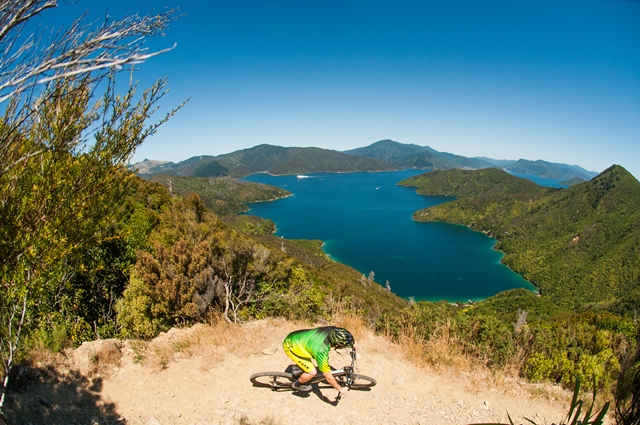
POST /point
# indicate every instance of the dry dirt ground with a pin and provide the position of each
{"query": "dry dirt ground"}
(201, 375)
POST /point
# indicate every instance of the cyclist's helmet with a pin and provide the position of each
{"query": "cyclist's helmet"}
(340, 337)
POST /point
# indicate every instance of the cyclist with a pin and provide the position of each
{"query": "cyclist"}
(305, 344)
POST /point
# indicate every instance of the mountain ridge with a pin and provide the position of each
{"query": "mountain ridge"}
(383, 155)
(415, 156)
(272, 159)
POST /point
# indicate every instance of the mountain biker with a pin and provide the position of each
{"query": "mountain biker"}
(305, 344)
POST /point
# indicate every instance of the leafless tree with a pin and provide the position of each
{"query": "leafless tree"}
(238, 273)
(86, 51)
(521, 320)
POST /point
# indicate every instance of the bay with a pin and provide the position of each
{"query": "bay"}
(542, 181)
(365, 220)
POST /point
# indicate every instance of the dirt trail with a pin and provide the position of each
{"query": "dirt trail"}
(200, 376)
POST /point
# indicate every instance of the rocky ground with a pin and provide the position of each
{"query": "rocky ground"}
(200, 376)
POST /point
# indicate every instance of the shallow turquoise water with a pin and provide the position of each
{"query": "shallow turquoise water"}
(365, 221)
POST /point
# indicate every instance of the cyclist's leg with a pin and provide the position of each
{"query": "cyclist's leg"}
(302, 359)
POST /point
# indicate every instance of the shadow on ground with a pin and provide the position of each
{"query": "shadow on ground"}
(43, 396)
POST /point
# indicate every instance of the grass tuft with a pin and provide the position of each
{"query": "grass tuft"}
(575, 415)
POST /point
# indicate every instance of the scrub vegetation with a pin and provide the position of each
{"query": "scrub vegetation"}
(221, 195)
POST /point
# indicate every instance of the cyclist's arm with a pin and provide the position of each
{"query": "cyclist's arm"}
(332, 381)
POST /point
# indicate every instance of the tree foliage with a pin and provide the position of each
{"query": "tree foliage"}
(63, 155)
(63, 199)
(548, 343)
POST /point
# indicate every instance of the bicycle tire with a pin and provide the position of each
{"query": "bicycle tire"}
(273, 380)
(362, 382)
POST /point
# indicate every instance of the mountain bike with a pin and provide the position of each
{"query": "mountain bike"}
(346, 377)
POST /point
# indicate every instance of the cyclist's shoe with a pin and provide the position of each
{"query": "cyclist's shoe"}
(301, 387)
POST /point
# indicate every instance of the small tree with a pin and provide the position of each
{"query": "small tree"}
(241, 269)
(628, 389)
(58, 191)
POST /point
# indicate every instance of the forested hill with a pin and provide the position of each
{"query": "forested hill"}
(274, 160)
(580, 245)
(466, 183)
(222, 195)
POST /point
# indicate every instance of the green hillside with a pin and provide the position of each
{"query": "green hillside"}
(468, 183)
(195, 263)
(222, 195)
(580, 245)
(572, 182)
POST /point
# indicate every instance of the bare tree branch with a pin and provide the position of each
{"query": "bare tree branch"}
(11, 344)
(78, 50)
(14, 13)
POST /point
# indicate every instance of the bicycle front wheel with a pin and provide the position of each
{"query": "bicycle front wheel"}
(273, 380)
(362, 382)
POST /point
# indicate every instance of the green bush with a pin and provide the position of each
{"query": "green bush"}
(134, 312)
(52, 335)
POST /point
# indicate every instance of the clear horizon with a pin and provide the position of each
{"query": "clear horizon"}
(557, 81)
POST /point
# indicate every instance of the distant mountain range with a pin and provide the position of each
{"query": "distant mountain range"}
(384, 155)
(414, 156)
(266, 159)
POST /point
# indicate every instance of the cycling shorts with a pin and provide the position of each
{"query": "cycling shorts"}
(299, 356)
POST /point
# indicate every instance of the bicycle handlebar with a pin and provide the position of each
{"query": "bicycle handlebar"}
(351, 370)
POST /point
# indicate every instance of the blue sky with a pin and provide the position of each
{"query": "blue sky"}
(554, 80)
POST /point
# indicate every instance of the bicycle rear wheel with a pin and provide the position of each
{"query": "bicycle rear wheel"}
(273, 380)
(362, 382)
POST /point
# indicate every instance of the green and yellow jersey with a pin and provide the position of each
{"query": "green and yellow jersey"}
(303, 345)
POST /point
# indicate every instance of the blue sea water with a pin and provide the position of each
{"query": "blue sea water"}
(365, 220)
(542, 181)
